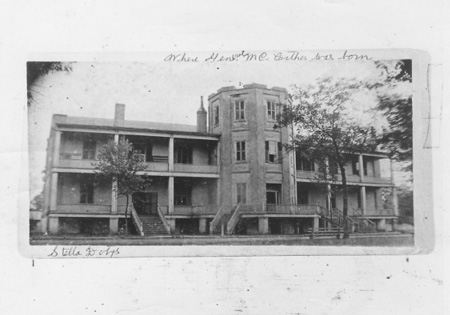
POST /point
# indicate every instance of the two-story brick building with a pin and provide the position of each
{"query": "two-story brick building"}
(228, 174)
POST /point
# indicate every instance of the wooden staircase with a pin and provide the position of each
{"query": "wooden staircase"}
(152, 225)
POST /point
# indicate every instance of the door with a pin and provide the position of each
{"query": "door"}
(145, 203)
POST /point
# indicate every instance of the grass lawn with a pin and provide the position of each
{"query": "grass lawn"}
(385, 239)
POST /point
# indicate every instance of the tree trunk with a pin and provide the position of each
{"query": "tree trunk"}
(345, 202)
(126, 216)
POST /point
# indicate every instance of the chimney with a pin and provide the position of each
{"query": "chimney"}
(201, 117)
(119, 115)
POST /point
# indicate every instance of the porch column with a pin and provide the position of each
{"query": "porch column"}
(361, 167)
(381, 225)
(363, 199)
(202, 225)
(113, 225)
(53, 225)
(316, 224)
(116, 138)
(171, 194)
(263, 225)
(395, 201)
(54, 192)
(171, 223)
(171, 153)
(114, 197)
(56, 150)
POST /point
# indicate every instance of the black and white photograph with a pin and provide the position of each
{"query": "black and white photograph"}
(235, 157)
(223, 148)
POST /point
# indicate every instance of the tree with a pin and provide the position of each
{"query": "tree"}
(397, 108)
(326, 131)
(38, 69)
(120, 164)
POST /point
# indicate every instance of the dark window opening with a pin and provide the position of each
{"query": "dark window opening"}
(355, 167)
(86, 190)
(271, 112)
(88, 149)
(273, 151)
(216, 115)
(242, 193)
(145, 149)
(240, 151)
(183, 154)
(182, 194)
(304, 164)
(303, 197)
(239, 110)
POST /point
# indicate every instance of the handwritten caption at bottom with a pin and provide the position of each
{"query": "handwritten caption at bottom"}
(74, 251)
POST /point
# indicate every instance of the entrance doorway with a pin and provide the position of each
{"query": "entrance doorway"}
(145, 203)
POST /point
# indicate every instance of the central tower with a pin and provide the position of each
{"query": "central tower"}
(254, 167)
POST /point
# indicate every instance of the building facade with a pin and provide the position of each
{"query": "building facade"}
(229, 174)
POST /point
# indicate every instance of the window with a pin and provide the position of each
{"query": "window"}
(88, 149)
(240, 151)
(365, 167)
(86, 190)
(145, 149)
(182, 195)
(183, 154)
(239, 110)
(355, 167)
(216, 115)
(271, 113)
(334, 168)
(303, 197)
(273, 151)
(305, 165)
(241, 193)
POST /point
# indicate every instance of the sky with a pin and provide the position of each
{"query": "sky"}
(159, 91)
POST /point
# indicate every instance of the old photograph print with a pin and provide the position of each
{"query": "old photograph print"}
(222, 148)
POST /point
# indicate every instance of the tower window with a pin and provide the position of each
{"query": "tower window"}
(240, 151)
(241, 193)
(273, 151)
(271, 112)
(239, 110)
(216, 115)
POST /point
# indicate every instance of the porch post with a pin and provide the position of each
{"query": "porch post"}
(395, 201)
(202, 225)
(316, 224)
(361, 167)
(171, 153)
(114, 197)
(171, 195)
(263, 225)
(56, 150)
(363, 199)
(54, 192)
(53, 225)
(113, 225)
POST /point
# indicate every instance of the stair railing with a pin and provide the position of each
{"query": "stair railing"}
(137, 221)
(233, 220)
(362, 227)
(163, 220)
(216, 219)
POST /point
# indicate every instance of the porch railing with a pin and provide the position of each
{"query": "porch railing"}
(164, 221)
(284, 209)
(216, 219)
(233, 220)
(136, 220)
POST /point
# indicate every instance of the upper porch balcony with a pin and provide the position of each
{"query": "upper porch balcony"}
(370, 170)
(79, 151)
